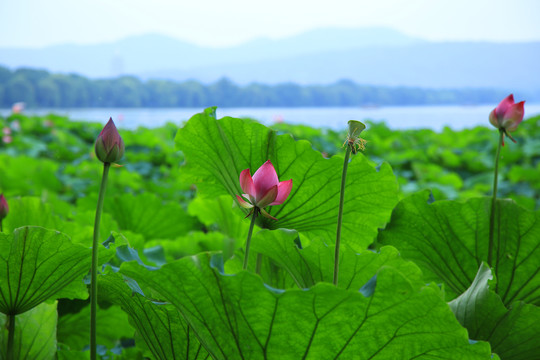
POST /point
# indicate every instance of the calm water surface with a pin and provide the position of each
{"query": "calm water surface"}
(396, 117)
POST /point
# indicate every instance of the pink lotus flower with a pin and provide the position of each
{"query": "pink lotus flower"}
(507, 115)
(109, 144)
(4, 208)
(264, 189)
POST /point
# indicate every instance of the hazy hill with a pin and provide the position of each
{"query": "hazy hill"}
(432, 65)
(376, 56)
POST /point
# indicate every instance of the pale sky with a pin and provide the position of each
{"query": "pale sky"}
(217, 23)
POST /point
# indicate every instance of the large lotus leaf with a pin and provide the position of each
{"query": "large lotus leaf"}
(513, 333)
(315, 263)
(269, 270)
(37, 264)
(217, 151)
(28, 176)
(160, 326)
(81, 227)
(449, 241)
(149, 216)
(35, 334)
(30, 211)
(218, 214)
(194, 243)
(73, 329)
(239, 317)
(33, 211)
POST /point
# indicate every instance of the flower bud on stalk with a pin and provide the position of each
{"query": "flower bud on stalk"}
(109, 144)
(507, 116)
(262, 190)
(109, 149)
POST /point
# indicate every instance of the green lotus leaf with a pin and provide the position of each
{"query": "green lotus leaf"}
(216, 151)
(159, 326)
(315, 263)
(37, 264)
(73, 329)
(513, 333)
(448, 240)
(239, 317)
(35, 333)
(149, 216)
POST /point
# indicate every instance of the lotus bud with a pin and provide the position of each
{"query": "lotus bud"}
(109, 144)
(263, 189)
(354, 141)
(507, 115)
(4, 208)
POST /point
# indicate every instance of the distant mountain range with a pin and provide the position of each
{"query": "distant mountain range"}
(376, 56)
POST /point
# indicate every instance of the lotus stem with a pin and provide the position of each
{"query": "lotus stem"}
(258, 265)
(11, 336)
(250, 232)
(494, 198)
(340, 214)
(95, 243)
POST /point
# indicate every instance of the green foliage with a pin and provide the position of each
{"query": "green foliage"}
(512, 332)
(37, 264)
(232, 145)
(448, 240)
(177, 235)
(160, 327)
(220, 214)
(149, 216)
(74, 332)
(452, 164)
(237, 316)
(314, 263)
(35, 333)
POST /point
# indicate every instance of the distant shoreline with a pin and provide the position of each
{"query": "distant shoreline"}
(42, 89)
(457, 117)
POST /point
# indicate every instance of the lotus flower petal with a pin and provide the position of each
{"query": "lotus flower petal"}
(493, 118)
(504, 105)
(243, 203)
(284, 189)
(268, 198)
(507, 115)
(263, 189)
(246, 183)
(109, 145)
(267, 215)
(514, 116)
(264, 179)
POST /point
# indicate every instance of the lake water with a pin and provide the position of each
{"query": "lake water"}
(397, 117)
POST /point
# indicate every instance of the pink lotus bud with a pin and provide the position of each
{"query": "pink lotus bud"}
(264, 189)
(109, 144)
(507, 115)
(4, 208)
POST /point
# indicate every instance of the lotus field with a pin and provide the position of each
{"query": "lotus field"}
(228, 239)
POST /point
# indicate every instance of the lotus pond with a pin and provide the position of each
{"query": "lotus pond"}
(427, 265)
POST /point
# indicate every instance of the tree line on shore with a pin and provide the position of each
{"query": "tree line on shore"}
(40, 88)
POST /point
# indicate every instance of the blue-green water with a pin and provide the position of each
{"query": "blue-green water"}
(399, 117)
